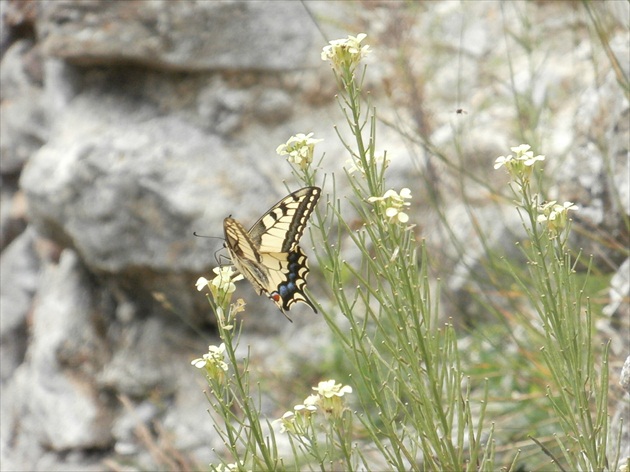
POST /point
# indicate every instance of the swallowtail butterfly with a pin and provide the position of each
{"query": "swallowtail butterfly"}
(268, 254)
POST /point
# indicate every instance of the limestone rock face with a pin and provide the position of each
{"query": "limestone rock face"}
(188, 36)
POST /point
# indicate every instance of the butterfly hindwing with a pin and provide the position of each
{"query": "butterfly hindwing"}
(289, 279)
(268, 255)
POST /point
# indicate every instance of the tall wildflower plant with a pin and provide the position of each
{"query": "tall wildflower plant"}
(415, 409)
(578, 388)
(237, 412)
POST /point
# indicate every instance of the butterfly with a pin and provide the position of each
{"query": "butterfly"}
(268, 254)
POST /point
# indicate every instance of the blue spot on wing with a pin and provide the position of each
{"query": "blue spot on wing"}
(291, 290)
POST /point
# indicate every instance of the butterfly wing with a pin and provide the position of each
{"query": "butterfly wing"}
(244, 254)
(287, 274)
(280, 229)
(268, 255)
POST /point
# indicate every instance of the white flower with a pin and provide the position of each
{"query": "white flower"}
(529, 159)
(394, 204)
(503, 161)
(286, 422)
(300, 149)
(311, 400)
(223, 281)
(296, 421)
(520, 149)
(555, 216)
(222, 285)
(329, 397)
(201, 283)
(305, 409)
(225, 468)
(329, 389)
(221, 288)
(225, 278)
(519, 166)
(345, 54)
(213, 362)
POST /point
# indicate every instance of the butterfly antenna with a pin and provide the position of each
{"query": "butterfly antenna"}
(212, 237)
(206, 236)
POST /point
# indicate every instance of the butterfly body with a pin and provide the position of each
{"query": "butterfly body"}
(269, 255)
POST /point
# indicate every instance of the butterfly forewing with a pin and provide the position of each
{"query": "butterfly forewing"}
(268, 255)
(280, 229)
(243, 253)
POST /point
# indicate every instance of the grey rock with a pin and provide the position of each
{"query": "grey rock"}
(179, 35)
(20, 69)
(24, 127)
(191, 431)
(619, 418)
(17, 22)
(125, 188)
(222, 109)
(143, 356)
(19, 281)
(126, 425)
(618, 136)
(22, 130)
(624, 377)
(154, 356)
(273, 107)
(617, 312)
(53, 400)
(63, 83)
(12, 210)
(619, 290)
(597, 177)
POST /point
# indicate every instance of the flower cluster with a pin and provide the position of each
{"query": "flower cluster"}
(298, 420)
(555, 216)
(300, 149)
(394, 204)
(345, 54)
(328, 399)
(521, 165)
(213, 362)
(222, 286)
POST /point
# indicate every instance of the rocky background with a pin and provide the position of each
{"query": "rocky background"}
(128, 125)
